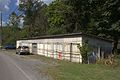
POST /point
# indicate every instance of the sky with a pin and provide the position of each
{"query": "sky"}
(8, 6)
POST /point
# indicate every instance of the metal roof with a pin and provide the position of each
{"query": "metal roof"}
(66, 36)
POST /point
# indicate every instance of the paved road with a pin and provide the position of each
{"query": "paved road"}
(14, 68)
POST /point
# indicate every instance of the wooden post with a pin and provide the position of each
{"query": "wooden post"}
(63, 51)
(47, 49)
(99, 51)
(44, 49)
(71, 52)
(53, 47)
(56, 50)
(102, 55)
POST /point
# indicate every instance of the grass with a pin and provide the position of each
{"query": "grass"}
(64, 70)
(73, 71)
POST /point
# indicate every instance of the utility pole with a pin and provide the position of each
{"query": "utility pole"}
(1, 30)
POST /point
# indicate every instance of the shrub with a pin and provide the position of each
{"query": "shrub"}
(84, 51)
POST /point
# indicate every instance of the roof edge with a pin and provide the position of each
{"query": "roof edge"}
(66, 35)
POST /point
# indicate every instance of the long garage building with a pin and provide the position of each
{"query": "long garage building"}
(64, 46)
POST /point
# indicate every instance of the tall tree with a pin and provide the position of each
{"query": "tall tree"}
(41, 24)
(13, 20)
(10, 35)
(81, 16)
(71, 15)
(111, 20)
(98, 17)
(61, 18)
(55, 16)
(31, 8)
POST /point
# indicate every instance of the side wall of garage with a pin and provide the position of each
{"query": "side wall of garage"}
(65, 48)
(61, 48)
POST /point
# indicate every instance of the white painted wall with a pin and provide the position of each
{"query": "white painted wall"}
(59, 48)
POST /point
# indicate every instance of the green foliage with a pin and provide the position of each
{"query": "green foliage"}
(10, 35)
(56, 30)
(23, 33)
(84, 51)
(57, 19)
(98, 17)
(62, 70)
(13, 20)
(41, 25)
(54, 11)
(109, 20)
(35, 19)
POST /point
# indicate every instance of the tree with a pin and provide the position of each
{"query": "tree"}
(112, 15)
(55, 14)
(32, 10)
(41, 24)
(13, 20)
(109, 21)
(98, 17)
(10, 35)
(72, 16)
(81, 16)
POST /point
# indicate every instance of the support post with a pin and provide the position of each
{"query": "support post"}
(102, 55)
(71, 52)
(99, 51)
(63, 51)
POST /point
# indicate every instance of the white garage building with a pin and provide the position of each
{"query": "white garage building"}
(64, 47)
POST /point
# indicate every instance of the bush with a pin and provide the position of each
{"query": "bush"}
(84, 51)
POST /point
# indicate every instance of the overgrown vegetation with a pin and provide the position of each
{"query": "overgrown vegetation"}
(97, 17)
(63, 70)
(84, 51)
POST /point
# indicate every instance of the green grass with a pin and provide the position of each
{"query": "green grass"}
(73, 71)
(64, 70)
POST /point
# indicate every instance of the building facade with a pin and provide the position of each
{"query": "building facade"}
(64, 47)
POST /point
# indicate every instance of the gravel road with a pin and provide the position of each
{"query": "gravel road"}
(15, 67)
